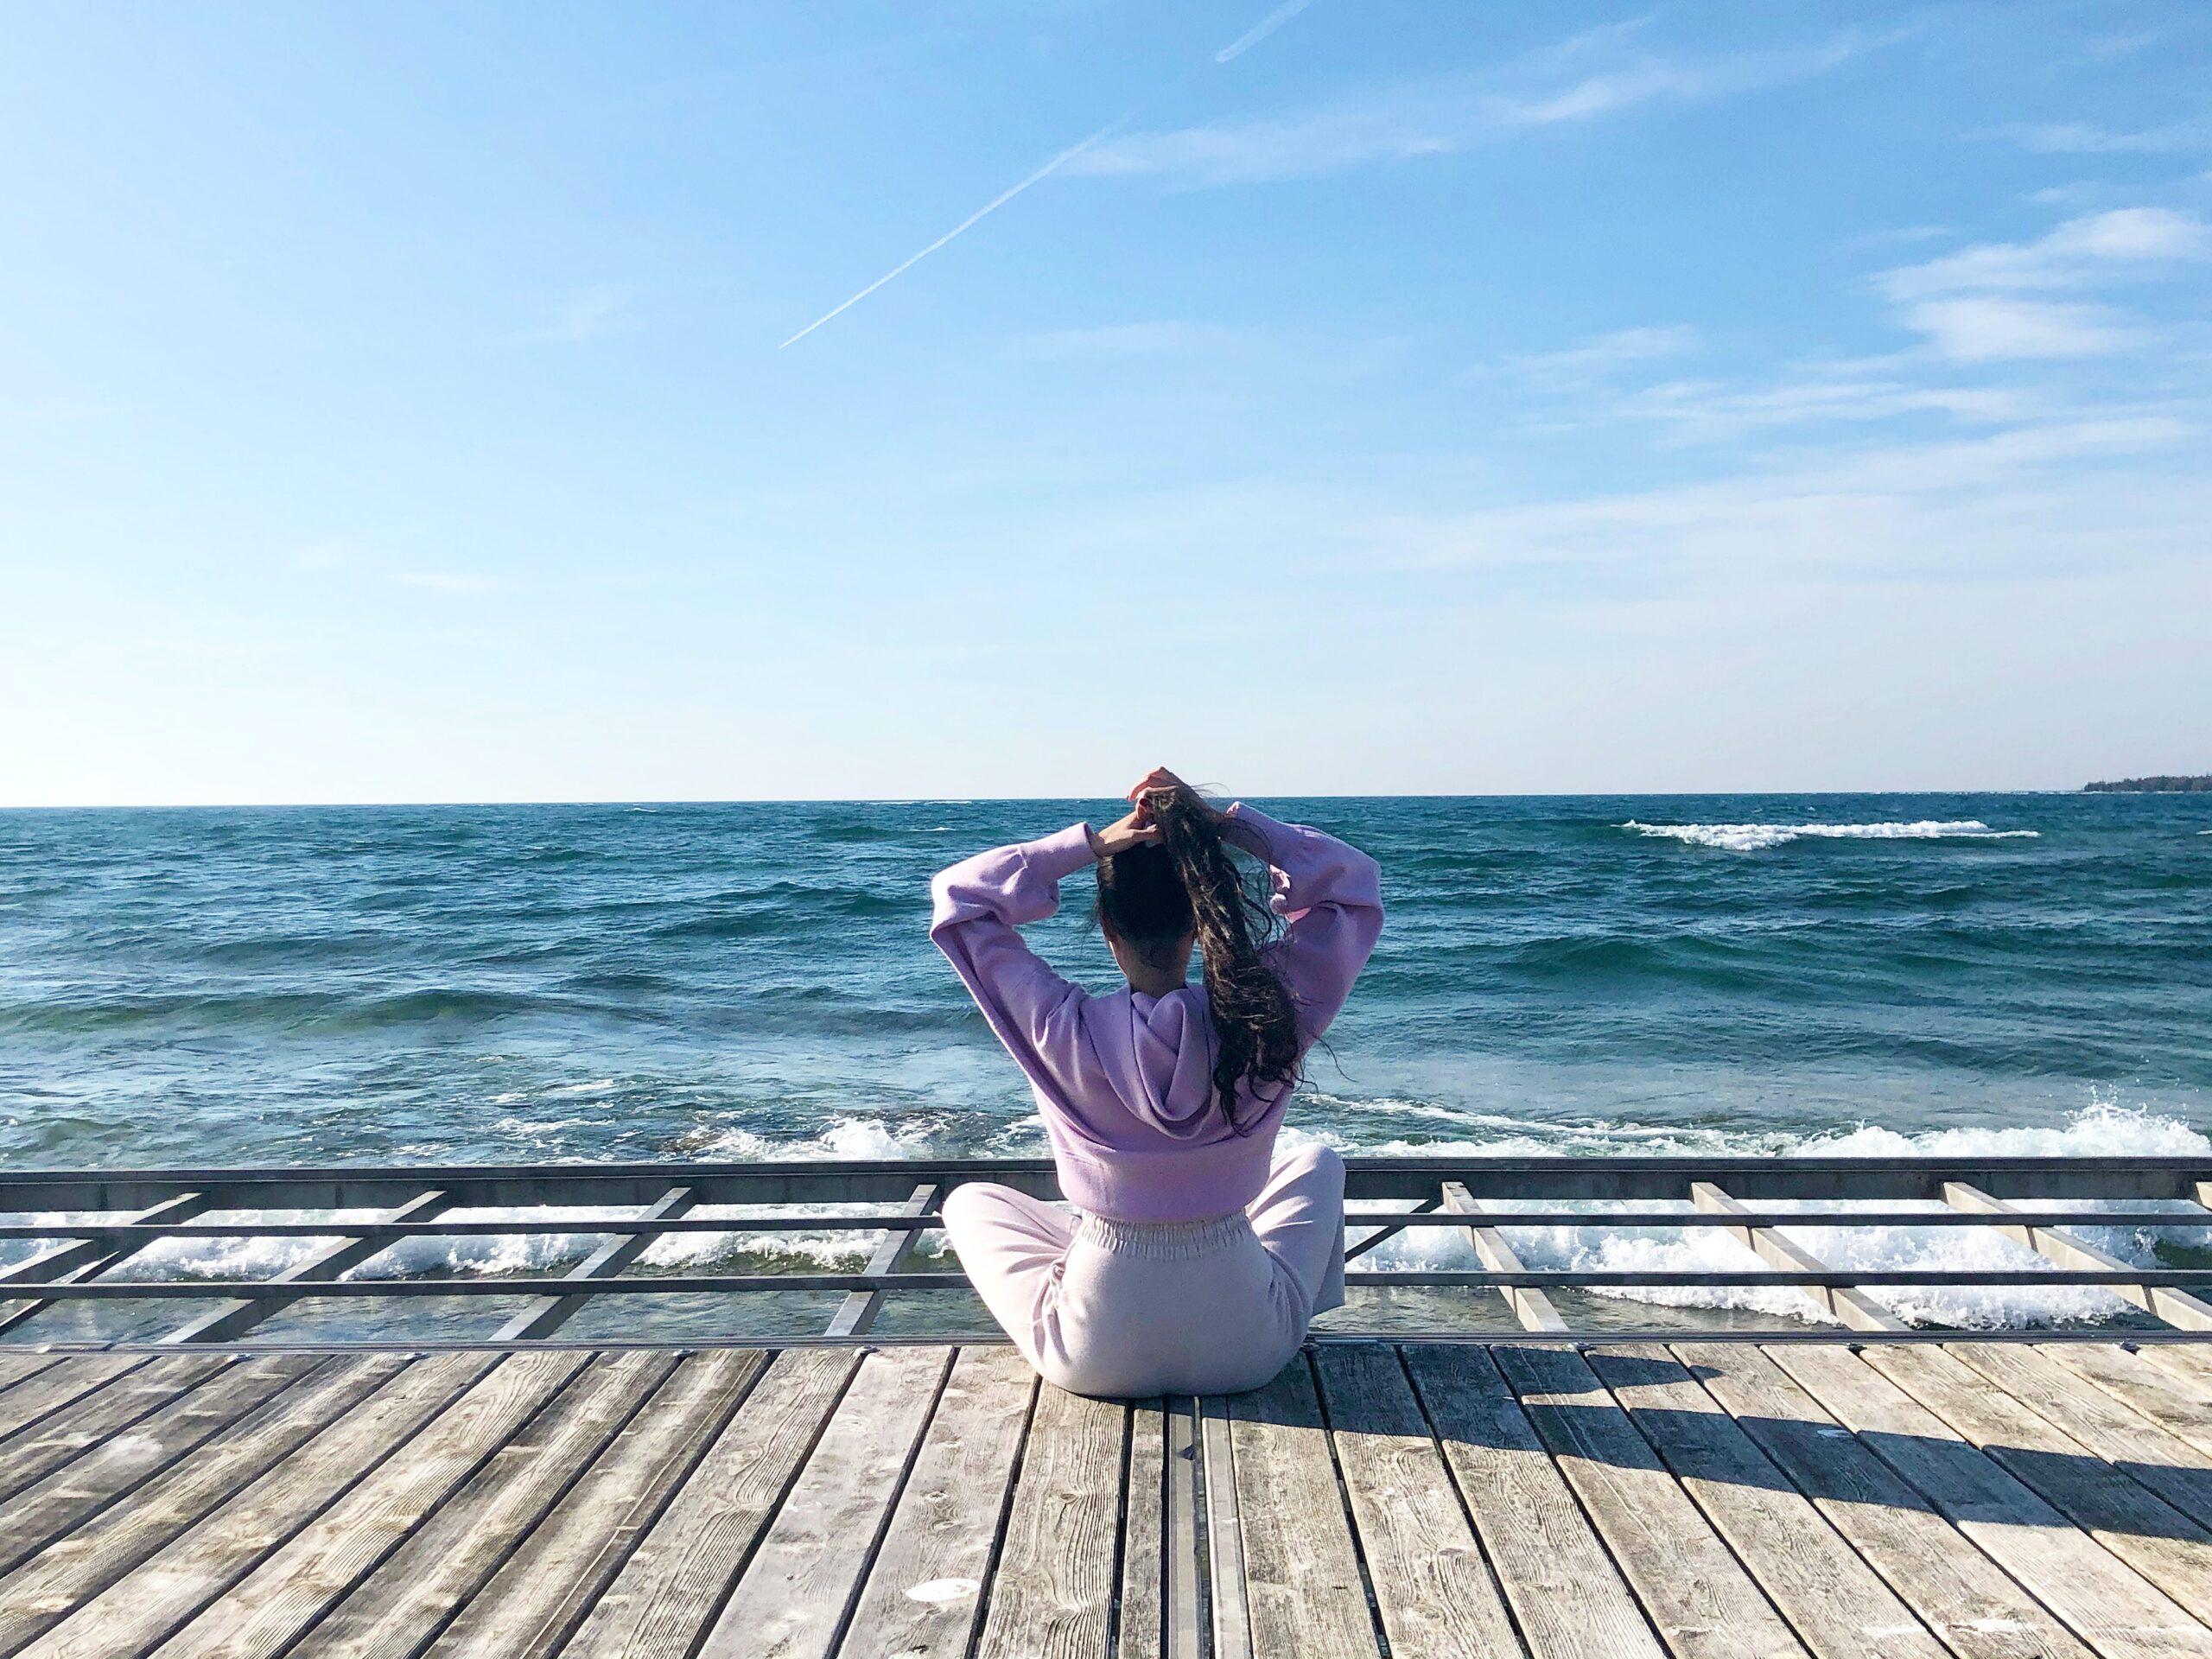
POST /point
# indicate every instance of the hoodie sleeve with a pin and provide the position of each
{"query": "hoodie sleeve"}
(1330, 896)
(979, 905)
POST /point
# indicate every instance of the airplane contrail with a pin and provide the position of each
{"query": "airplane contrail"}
(1244, 43)
(982, 212)
(1260, 31)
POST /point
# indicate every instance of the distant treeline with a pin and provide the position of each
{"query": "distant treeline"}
(2198, 786)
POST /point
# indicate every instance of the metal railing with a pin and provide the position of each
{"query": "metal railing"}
(83, 1229)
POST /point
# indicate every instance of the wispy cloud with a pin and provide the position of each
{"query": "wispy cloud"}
(1973, 305)
(2075, 254)
(2050, 496)
(1439, 116)
(2085, 138)
(1989, 327)
(584, 313)
(1598, 359)
(1166, 337)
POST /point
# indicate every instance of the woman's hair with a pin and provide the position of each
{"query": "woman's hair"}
(1152, 895)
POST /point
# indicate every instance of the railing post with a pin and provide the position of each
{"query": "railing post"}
(858, 1311)
(85, 1258)
(546, 1314)
(1532, 1307)
(1855, 1308)
(2176, 1307)
(234, 1319)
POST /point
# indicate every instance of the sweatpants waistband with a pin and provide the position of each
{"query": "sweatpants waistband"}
(1166, 1240)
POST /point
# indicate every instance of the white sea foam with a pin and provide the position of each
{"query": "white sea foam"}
(2100, 1130)
(1757, 837)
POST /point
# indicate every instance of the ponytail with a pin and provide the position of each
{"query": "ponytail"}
(1189, 882)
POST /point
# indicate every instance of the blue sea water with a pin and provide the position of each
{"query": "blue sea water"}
(2028, 972)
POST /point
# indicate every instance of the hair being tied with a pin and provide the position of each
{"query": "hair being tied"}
(1187, 882)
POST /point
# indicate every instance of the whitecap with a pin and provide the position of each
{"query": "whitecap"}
(1757, 837)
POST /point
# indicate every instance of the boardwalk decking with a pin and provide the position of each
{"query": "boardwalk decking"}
(1709, 1500)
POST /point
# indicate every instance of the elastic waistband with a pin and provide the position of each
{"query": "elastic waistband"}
(1166, 1240)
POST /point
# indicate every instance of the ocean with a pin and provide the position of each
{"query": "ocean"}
(2027, 973)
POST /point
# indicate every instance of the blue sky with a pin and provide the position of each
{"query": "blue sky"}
(1424, 397)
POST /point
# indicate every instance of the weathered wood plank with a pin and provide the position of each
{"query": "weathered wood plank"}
(923, 1592)
(1570, 1600)
(2101, 1599)
(1959, 1593)
(2176, 1307)
(792, 1599)
(110, 1469)
(102, 1549)
(226, 1321)
(1227, 1609)
(2169, 1465)
(1182, 1589)
(271, 1607)
(133, 1614)
(15, 1367)
(675, 1579)
(1691, 1586)
(858, 1311)
(1532, 1307)
(32, 1453)
(1837, 1604)
(396, 1611)
(1853, 1307)
(1435, 1595)
(1142, 1627)
(2152, 1536)
(53, 1386)
(543, 1591)
(1053, 1589)
(2177, 1402)
(1302, 1582)
(542, 1315)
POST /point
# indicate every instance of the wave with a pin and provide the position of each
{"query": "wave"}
(1757, 837)
(2101, 1129)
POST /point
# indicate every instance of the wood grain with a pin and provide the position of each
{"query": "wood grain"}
(270, 1608)
(396, 1611)
(794, 1597)
(1958, 1592)
(1054, 1590)
(1302, 1581)
(133, 1614)
(102, 1549)
(675, 1580)
(543, 1591)
(1838, 1606)
(1435, 1594)
(1568, 1598)
(1690, 1583)
(2110, 1606)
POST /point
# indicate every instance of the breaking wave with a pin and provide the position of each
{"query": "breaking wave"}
(1757, 837)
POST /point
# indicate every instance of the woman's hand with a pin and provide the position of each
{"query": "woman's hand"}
(1123, 834)
(1160, 781)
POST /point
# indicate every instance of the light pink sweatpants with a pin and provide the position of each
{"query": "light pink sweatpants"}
(1130, 1309)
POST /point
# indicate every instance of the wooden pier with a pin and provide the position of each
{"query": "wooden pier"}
(290, 1460)
(1706, 1499)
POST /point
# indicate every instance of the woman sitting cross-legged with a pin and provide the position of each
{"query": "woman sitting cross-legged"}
(1197, 1256)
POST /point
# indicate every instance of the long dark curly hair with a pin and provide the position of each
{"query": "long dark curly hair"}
(1153, 896)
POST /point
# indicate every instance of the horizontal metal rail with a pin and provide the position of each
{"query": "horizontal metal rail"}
(1395, 1220)
(347, 1218)
(1748, 1179)
(681, 1284)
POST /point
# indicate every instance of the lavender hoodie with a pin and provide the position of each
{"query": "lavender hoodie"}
(1125, 1080)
